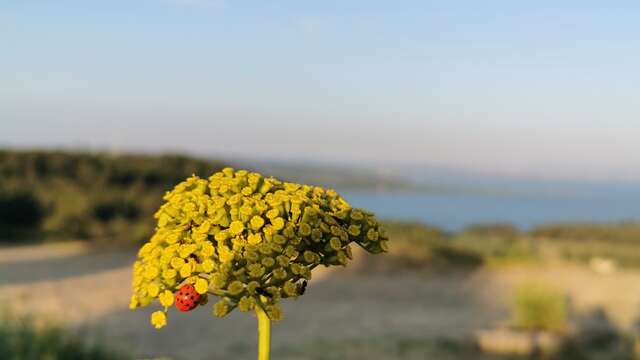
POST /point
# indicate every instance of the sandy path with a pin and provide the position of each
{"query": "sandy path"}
(333, 309)
(91, 290)
(15, 254)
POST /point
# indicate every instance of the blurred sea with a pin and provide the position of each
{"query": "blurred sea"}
(523, 205)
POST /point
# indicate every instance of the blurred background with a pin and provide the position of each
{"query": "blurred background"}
(496, 140)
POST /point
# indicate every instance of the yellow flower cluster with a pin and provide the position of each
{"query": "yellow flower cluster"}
(248, 239)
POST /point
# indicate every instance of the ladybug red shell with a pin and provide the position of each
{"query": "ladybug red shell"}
(187, 298)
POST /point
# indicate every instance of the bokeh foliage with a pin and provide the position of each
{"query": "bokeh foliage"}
(110, 199)
(21, 338)
(539, 307)
(102, 197)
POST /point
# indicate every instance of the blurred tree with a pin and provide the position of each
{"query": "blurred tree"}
(95, 196)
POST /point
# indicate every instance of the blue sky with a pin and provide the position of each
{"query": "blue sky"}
(544, 89)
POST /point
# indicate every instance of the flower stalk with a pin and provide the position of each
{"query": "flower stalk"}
(264, 333)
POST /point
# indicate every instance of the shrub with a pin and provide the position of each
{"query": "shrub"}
(109, 210)
(415, 245)
(22, 339)
(100, 197)
(21, 215)
(20, 209)
(583, 242)
(500, 230)
(539, 307)
(626, 232)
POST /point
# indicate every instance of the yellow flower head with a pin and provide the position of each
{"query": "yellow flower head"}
(237, 227)
(153, 289)
(208, 266)
(257, 222)
(254, 239)
(202, 286)
(251, 239)
(158, 319)
(166, 298)
(278, 223)
(134, 302)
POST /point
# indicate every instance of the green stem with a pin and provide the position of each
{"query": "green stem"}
(264, 333)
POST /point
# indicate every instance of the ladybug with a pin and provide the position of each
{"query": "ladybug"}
(187, 298)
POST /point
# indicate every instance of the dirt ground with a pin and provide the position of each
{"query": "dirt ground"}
(90, 291)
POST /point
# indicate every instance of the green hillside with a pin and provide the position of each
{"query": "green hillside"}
(49, 195)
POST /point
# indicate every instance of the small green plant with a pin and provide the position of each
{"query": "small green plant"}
(538, 307)
(248, 240)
